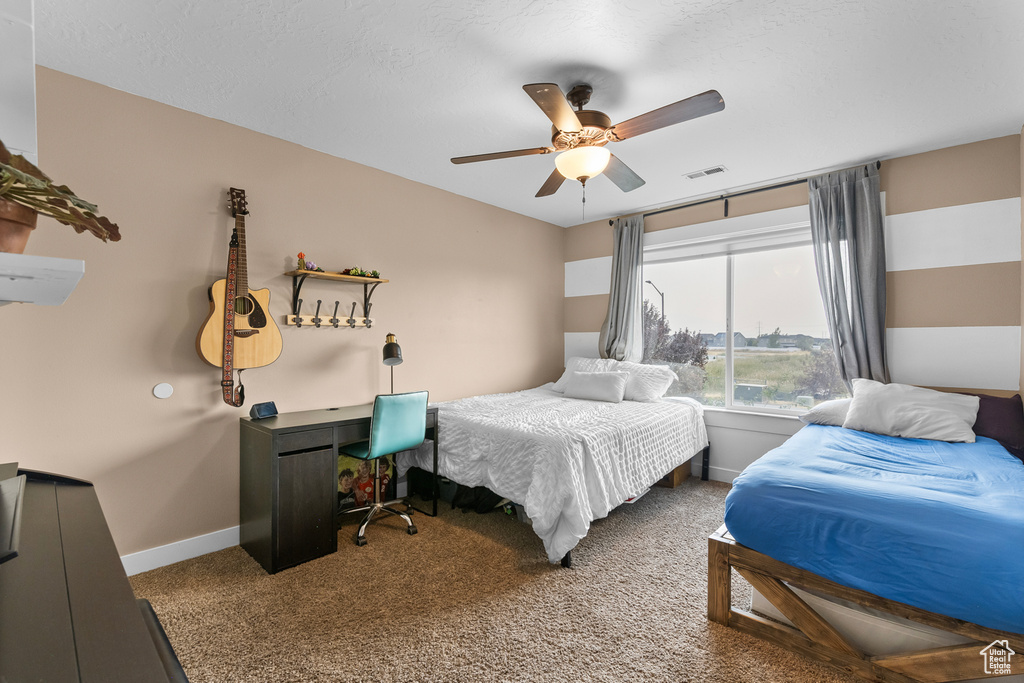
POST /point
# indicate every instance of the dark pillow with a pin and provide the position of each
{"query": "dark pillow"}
(1002, 419)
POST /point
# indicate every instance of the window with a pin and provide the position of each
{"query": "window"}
(740, 311)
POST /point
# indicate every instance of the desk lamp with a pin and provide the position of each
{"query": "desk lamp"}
(392, 356)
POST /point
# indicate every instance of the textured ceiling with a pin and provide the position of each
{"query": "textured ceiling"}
(403, 86)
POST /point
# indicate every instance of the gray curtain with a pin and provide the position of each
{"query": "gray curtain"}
(849, 252)
(622, 332)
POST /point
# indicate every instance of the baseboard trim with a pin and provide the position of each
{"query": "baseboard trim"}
(716, 473)
(163, 555)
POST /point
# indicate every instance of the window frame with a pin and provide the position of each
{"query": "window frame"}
(729, 237)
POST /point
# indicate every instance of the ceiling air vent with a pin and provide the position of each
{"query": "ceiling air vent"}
(706, 172)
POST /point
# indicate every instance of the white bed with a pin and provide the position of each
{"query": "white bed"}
(567, 461)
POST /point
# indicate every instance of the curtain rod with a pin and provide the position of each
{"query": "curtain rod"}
(727, 197)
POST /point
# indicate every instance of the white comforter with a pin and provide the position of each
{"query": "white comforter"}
(567, 461)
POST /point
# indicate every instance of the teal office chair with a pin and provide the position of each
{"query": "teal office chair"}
(399, 423)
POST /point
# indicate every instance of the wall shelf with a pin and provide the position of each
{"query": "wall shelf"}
(298, 320)
(42, 280)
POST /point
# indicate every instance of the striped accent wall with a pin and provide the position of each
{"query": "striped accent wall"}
(954, 303)
(953, 262)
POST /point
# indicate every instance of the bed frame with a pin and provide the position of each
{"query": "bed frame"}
(816, 638)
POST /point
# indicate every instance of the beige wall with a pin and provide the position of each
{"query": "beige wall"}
(78, 378)
(977, 172)
(979, 295)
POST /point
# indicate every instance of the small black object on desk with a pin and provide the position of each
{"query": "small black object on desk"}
(263, 410)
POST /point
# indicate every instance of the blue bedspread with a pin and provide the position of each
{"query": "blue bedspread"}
(936, 525)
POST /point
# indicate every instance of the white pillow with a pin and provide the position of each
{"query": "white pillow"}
(597, 386)
(911, 412)
(646, 382)
(580, 364)
(831, 413)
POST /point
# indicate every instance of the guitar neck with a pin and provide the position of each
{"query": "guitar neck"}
(241, 278)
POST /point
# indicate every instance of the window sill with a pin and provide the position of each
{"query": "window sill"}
(789, 414)
(738, 410)
(753, 421)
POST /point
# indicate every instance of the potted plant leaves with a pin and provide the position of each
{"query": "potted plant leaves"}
(26, 192)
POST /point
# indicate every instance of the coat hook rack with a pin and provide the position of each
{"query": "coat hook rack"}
(299, 277)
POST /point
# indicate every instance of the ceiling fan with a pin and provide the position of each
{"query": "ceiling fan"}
(580, 136)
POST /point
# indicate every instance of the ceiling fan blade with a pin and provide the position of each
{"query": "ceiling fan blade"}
(551, 185)
(623, 176)
(692, 107)
(552, 102)
(502, 155)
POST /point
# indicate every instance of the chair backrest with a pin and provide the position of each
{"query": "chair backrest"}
(399, 423)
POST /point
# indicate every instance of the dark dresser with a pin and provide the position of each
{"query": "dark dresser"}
(67, 611)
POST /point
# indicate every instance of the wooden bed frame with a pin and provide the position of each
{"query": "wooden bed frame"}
(816, 638)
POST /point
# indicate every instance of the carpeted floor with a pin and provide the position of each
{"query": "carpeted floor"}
(471, 598)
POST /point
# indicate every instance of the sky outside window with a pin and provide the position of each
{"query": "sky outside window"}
(775, 288)
(778, 288)
(694, 293)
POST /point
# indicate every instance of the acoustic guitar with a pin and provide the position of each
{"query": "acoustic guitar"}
(253, 339)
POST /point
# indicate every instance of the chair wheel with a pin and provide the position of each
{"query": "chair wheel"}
(411, 529)
(360, 540)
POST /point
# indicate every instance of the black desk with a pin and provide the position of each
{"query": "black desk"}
(288, 498)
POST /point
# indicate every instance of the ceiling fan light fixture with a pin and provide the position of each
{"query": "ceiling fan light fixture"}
(582, 163)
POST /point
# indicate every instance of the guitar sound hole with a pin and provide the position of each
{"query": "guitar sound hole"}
(243, 305)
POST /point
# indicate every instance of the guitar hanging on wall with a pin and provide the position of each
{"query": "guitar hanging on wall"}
(239, 332)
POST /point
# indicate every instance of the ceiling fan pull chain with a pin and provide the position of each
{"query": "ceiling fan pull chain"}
(584, 201)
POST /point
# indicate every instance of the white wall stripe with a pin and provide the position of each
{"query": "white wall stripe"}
(969, 357)
(964, 235)
(588, 276)
(583, 344)
(161, 556)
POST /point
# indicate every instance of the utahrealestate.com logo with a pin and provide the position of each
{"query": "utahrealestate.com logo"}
(997, 658)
